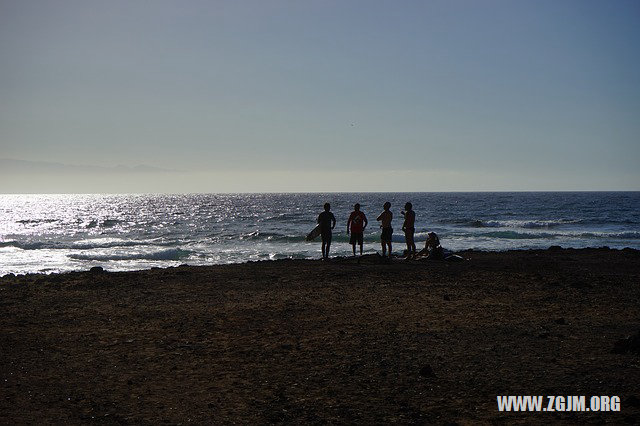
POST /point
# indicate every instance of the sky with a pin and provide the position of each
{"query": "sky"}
(271, 96)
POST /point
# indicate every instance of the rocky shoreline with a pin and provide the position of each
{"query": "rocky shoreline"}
(344, 341)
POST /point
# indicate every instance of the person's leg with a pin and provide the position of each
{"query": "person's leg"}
(352, 241)
(412, 243)
(328, 247)
(408, 242)
(324, 245)
(385, 239)
(354, 248)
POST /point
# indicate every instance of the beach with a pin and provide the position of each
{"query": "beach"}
(305, 341)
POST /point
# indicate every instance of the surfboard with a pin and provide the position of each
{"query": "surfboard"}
(314, 233)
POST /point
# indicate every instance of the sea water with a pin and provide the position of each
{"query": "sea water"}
(57, 233)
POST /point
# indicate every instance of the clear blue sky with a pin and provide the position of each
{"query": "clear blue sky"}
(323, 95)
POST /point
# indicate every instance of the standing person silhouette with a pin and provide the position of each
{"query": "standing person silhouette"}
(387, 231)
(356, 224)
(327, 222)
(409, 228)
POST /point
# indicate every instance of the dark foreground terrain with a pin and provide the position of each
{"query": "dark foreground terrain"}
(324, 342)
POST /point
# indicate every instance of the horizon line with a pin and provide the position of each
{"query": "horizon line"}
(324, 192)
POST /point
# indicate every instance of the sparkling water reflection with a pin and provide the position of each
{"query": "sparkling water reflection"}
(53, 233)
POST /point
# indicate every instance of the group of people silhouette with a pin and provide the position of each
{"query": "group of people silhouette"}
(357, 223)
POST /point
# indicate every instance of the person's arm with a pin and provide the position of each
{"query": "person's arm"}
(318, 220)
(365, 222)
(348, 224)
(333, 220)
(380, 217)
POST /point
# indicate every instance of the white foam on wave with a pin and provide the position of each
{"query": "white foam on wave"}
(112, 242)
(169, 254)
(27, 245)
(86, 244)
(522, 223)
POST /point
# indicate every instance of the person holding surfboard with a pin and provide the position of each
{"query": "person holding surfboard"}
(356, 224)
(326, 222)
(387, 231)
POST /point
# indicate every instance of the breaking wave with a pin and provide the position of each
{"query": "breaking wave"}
(107, 223)
(526, 224)
(513, 235)
(271, 236)
(170, 254)
(37, 245)
(31, 221)
(83, 244)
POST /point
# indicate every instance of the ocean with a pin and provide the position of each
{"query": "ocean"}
(58, 233)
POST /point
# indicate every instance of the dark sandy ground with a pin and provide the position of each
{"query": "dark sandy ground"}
(323, 342)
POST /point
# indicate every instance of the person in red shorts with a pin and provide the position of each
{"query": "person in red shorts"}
(356, 224)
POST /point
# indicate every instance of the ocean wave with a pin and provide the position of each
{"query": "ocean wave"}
(170, 254)
(340, 236)
(524, 224)
(32, 221)
(270, 236)
(82, 244)
(280, 256)
(37, 245)
(514, 235)
(286, 218)
(113, 242)
(107, 223)
(280, 217)
(615, 235)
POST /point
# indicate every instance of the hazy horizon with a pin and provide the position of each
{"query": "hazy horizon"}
(376, 96)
